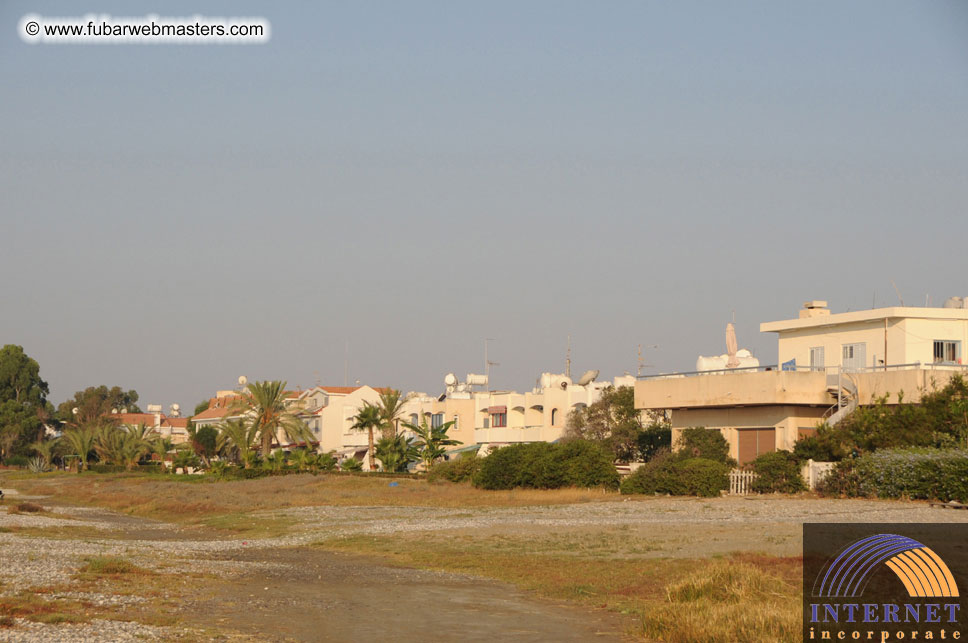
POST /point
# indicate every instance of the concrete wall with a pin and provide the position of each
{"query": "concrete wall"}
(731, 389)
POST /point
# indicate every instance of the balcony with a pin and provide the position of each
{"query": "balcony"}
(772, 385)
(509, 434)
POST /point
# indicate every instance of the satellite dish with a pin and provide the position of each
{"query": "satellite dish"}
(74, 410)
(123, 410)
(243, 380)
(588, 378)
(175, 407)
(114, 411)
(450, 379)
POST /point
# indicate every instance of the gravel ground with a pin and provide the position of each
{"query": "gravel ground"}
(35, 561)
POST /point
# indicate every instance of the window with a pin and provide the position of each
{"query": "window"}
(554, 417)
(436, 420)
(854, 355)
(414, 418)
(947, 351)
(499, 419)
(817, 358)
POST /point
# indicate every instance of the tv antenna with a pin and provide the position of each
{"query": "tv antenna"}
(642, 363)
(901, 299)
(488, 364)
(568, 359)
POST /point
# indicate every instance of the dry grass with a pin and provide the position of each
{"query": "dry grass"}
(25, 508)
(199, 500)
(743, 597)
(32, 607)
(110, 565)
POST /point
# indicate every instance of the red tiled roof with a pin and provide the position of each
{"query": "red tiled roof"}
(340, 390)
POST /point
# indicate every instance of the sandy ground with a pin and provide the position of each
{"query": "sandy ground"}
(281, 589)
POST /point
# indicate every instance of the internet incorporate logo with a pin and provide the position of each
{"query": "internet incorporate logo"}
(878, 582)
(922, 571)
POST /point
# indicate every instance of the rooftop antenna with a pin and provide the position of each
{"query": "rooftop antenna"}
(642, 363)
(488, 364)
(346, 364)
(898, 293)
(568, 359)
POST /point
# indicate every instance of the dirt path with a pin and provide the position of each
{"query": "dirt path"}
(308, 595)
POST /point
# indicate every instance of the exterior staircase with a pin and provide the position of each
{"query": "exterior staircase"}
(847, 388)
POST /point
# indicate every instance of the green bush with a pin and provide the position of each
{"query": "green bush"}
(459, 469)
(654, 439)
(17, 461)
(351, 464)
(107, 468)
(708, 444)
(924, 473)
(778, 472)
(541, 465)
(669, 474)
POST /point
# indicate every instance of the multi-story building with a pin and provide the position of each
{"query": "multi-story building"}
(828, 364)
(489, 419)
(169, 427)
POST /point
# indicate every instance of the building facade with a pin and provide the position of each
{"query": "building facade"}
(828, 364)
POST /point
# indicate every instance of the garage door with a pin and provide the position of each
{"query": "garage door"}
(753, 442)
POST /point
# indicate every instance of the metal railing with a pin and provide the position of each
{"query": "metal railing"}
(829, 370)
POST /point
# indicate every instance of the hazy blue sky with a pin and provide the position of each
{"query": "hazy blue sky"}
(412, 177)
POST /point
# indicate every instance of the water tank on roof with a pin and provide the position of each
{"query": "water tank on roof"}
(476, 380)
(956, 302)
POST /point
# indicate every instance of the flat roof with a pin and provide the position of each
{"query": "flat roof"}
(874, 314)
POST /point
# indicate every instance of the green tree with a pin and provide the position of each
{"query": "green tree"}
(611, 421)
(367, 419)
(265, 404)
(23, 401)
(391, 410)
(431, 440)
(95, 402)
(708, 444)
(201, 406)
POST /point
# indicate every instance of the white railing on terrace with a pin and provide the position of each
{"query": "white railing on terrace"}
(829, 370)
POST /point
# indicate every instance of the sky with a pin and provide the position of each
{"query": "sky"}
(383, 185)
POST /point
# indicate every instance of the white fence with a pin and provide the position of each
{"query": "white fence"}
(814, 472)
(741, 482)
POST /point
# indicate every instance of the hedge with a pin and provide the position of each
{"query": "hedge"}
(459, 469)
(543, 465)
(668, 474)
(919, 473)
(778, 472)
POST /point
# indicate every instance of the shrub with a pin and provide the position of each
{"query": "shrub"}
(107, 468)
(541, 465)
(460, 469)
(653, 439)
(778, 472)
(16, 461)
(928, 474)
(700, 442)
(669, 474)
(351, 464)
(28, 508)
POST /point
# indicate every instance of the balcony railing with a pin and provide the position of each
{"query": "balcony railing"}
(829, 370)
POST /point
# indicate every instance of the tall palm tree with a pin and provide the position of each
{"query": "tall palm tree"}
(265, 404)
(391, 410)
(368, 418)
(239, 436)
(120, 446)
(80, 442)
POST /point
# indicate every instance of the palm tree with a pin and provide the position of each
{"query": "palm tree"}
(431, 440)
(120, 446)
(45, 449)
(391, 409)
(368, 418)
(160, 447)
(396, 453)
(265, 403)
(238, 436)
(80, 442)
